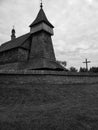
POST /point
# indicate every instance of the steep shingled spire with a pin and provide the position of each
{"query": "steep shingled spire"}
(41, 17)
(41, 23)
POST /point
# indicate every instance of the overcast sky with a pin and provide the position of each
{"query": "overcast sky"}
(76, 26)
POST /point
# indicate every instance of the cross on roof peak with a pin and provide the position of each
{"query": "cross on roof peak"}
(41, 4)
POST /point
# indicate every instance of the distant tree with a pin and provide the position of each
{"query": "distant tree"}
(82, 69)
(73, 69)
(94, 69)
(63, 63)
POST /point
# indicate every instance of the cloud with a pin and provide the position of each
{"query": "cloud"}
(90, 1)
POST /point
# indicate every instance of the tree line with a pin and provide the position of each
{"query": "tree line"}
(91, 70)
(82, 69)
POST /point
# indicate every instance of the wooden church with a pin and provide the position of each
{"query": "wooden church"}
(33, 50)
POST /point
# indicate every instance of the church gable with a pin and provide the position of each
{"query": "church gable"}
(9, 56)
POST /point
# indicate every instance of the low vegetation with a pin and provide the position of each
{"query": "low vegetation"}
(48, 107)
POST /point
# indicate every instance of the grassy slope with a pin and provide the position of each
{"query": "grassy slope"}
(48, 107)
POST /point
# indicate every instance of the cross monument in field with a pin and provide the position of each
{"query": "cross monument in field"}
(86, 62)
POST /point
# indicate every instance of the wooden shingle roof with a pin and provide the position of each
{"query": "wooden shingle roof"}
(14, 43)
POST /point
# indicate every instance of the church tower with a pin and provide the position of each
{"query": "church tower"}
(42, 53)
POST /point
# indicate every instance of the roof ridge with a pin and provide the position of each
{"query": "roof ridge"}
(14, 39)
(14, 43)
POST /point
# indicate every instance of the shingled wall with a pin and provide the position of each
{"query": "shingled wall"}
(51, 77)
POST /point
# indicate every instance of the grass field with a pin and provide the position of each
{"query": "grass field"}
(48, 107)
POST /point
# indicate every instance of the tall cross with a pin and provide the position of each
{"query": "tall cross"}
(86, 62)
